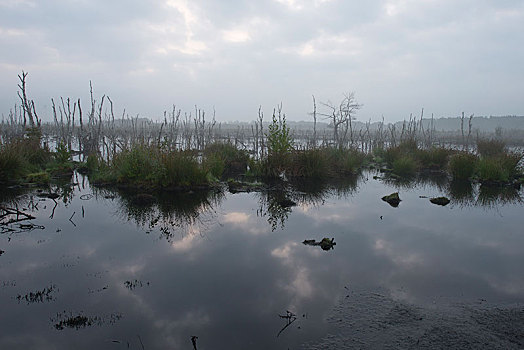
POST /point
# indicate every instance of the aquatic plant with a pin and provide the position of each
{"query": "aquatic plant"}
(344, 161)
(462, 165)
(149, 167)
(311, 163)
(180, 168)
(12, 164)
(434, 158)
(279, 146)
(404, 166)
(492, 169)
(138, 164)
(223, 159)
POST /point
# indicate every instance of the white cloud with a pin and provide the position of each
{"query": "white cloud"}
(236, 218)
(236, 35)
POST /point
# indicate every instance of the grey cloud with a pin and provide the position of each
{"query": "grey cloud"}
(398, 56)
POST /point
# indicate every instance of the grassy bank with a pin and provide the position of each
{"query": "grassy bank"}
(492, 163)
(155, 166)
(26, 160)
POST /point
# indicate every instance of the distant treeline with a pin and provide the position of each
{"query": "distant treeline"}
(482, 124)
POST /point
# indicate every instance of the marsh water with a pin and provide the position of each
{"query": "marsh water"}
(103, 269)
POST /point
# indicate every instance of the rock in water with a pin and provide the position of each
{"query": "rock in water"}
(439, 201)
(392, 199)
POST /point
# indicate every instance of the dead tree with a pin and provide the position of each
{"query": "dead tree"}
(341, 117)
(29, 112)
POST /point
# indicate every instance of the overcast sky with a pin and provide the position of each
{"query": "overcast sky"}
(397, 56)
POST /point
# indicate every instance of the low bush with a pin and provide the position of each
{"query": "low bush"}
(344, 161)
(147, 166)
(181, 169)
(501, 168)
(138, 164)
(60, 163)
(311, 163)
(13, 165)
(434, 158)
(224, 160)
(491, 169)
(405, 166)
(462, 165)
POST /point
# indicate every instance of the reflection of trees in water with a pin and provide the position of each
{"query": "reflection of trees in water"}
(19, 205)
(11, 197)
(276, 203)
(170, 212)
(461, 192)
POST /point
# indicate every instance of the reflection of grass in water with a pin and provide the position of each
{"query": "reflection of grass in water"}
(277, 203)
(461, 192)
(166, 210)
(490, 196)
(439, 181)
(64, 320)
(39, 296)
(11, 197)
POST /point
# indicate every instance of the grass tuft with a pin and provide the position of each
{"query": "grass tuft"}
(462, 165)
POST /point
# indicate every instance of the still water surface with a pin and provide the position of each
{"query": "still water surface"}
(107, 272)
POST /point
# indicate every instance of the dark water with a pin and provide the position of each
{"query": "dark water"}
(103, 270)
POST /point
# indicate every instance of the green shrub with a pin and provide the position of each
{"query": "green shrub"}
(279, 139)
(392, 154)
(215, 165)
(510, 162)
(311, 163)
(462, 165)
(92, 162)
(181, 169)
(404, 166)
(279, 146)
(150, 167)
(62, 154)
(492, 169)
(60, 164)
(13, 165)
(224, 159)
(345, 161)
(40, 178)
(434, 158)
(502, 168)
(139, 164)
